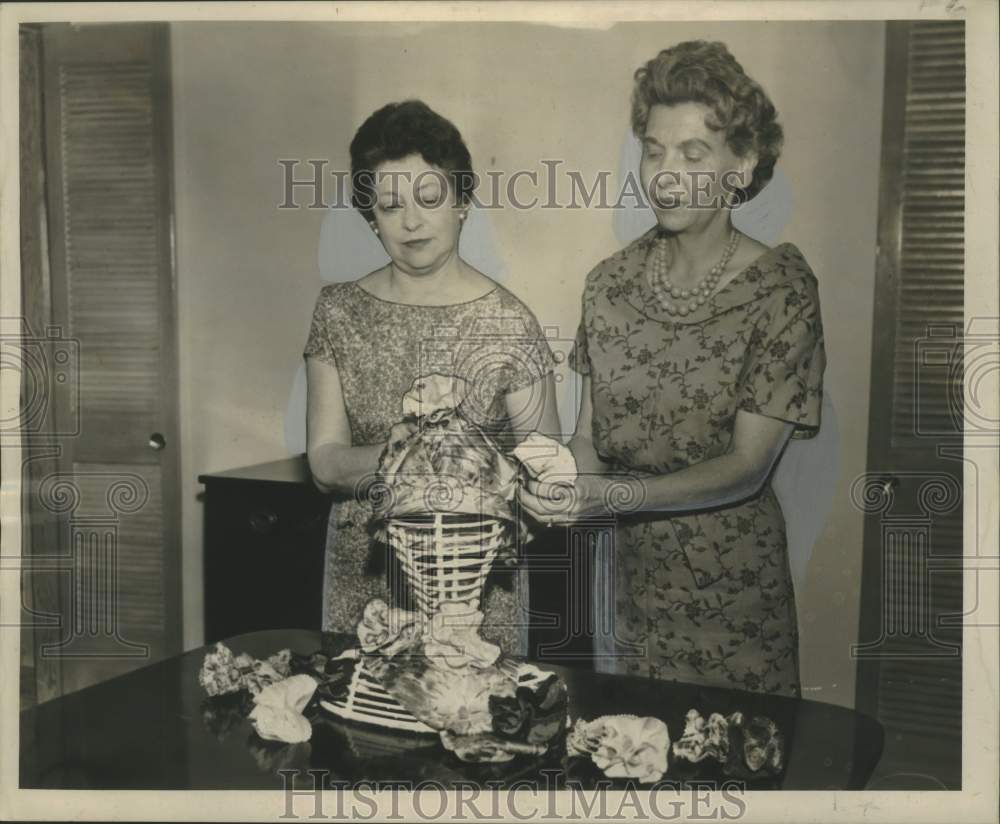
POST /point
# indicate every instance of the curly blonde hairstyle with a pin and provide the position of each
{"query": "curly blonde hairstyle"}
(701, 72)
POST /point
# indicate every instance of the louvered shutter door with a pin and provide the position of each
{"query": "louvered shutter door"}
(909, 663)
(933, 238)
(108, 146)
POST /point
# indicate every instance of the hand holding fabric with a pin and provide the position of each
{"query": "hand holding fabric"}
(546, 459)
(556, 502)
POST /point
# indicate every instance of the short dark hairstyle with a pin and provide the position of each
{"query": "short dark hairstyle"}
(701, 72)
(399, 130)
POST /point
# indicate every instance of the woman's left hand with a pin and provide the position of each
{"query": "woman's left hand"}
(561, 502)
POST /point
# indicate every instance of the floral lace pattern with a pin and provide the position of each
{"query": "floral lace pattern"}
(704, 597)
(379, 348)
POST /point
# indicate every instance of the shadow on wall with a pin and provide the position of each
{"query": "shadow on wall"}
(806, 476)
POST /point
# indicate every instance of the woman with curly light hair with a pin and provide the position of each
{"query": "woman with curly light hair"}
(701, 352)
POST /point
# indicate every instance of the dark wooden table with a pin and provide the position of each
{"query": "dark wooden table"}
(149, 730)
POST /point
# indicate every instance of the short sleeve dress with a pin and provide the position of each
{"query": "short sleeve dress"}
(379, 348)
(704, 597)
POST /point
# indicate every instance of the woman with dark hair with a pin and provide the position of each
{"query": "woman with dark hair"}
(427, 311)
(701, 352)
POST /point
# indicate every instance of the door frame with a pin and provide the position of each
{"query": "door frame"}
(887, 266)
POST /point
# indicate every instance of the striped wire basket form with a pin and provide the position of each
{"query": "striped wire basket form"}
(368, 702)
(444, 558)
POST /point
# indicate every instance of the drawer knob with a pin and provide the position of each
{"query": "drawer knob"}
(263, 521)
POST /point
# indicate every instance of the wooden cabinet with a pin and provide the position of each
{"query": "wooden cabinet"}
(265, 537)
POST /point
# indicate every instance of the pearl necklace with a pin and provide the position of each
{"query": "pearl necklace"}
(687, 299)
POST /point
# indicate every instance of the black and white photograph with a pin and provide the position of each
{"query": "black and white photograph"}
(539, 411)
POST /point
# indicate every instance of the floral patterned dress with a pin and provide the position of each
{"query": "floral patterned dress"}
(704, 597)
(379, 348)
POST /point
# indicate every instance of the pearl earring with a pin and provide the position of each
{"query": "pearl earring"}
(374, 228)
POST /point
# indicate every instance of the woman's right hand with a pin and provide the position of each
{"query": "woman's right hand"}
(590, 496)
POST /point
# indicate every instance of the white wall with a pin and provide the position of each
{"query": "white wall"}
(246, 95)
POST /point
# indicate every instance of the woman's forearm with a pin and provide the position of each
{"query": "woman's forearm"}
(740, 473)
(716, 482)
(340, 469)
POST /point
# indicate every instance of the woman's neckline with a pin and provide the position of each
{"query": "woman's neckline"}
(654, 310)
(374, 297)
(755, 262)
